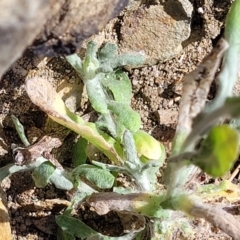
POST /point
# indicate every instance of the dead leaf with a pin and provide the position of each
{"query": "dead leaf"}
(42, 148)
(47, 225)
(44, 96)
(5, 229)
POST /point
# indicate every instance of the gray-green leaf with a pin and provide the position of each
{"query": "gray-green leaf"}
(120, 86)
(60, 181)
(42, 174)
(74, 226)
(109, 50)
(79, 152)
(100, 177)
(125, 116)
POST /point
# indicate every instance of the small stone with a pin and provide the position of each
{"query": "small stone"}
(134, 82)
(170, 103)
(166, 117)
(177, 99)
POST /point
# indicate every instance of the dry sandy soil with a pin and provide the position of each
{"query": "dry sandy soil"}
(156, 95)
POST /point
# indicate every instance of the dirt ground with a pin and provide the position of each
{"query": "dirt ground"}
(156, 95)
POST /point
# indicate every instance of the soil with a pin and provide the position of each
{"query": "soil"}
(156, 96)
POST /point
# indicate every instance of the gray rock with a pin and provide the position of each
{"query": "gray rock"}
(20, 22)
(157, 30)
(58, 26)
(66, 29)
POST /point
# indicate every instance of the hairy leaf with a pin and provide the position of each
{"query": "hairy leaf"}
(218, 151)
(74, 226)
(125, 59)
(120, 86)
(76, 63)
(60, 181)
(42, 174)
(230, 66)
(100, 177)
(109, 50)
(96, 94)
(125, 116)
(232, 30)
(62, 235)
(11, 168)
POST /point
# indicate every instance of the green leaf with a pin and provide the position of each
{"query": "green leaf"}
(149, 205)
(218, 151)
(86, 68)
(74, 226)
(116, 81)
(110, 167)
(41, 175)
(148, 177)
(62, 235)
(125, 116)
(60, 181)
(20, 130)
(132, 162)
(144, 174)
(79, 152)
(76, 62)
(109, 50)
(148, 146)
(96, 94)
(99, 236)
(92, 49)
(228, 75)
(229, 108)
(11, 168)
(100, 177)
(107, 124)
(90, 63)
(125, 59)
(89, 68)
(232, 29)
